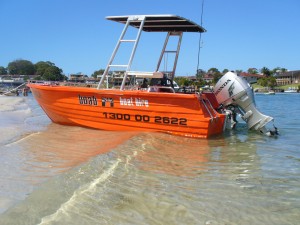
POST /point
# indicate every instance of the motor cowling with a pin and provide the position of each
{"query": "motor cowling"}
(233, 91)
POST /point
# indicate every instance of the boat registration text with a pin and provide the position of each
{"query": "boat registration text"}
(146, 118)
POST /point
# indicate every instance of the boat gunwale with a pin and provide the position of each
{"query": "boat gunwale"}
(111, 91)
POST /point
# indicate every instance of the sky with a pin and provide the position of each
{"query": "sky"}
(75, 35)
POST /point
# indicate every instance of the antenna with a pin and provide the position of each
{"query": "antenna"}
(200, 36)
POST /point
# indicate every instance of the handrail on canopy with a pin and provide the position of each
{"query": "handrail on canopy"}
(172, 24)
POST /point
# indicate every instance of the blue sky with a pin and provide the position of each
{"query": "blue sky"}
(74, 34)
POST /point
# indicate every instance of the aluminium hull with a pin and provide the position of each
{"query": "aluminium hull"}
(129, 110)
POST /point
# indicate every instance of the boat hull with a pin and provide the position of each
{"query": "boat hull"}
(129, 110)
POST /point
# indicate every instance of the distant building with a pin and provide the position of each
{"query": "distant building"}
(192, 78)
(208, 77)
(289, 77)
(251, 78)
(115, 78)
(16, 79)
(78, 77)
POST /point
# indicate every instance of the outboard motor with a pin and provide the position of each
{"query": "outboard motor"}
(236, 96)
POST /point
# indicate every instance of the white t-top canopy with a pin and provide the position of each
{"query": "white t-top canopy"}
(160, 23)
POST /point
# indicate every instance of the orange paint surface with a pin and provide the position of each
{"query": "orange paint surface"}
(130, 110)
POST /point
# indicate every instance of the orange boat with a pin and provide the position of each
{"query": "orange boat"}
(144, 107)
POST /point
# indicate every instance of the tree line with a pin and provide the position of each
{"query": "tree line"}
(267, 81)
(45, 70)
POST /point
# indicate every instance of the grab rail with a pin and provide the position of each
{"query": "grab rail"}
(207, 109)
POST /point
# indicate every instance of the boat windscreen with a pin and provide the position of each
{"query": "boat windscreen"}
(160, 23)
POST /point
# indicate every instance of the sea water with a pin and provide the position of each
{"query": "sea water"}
(53, 174)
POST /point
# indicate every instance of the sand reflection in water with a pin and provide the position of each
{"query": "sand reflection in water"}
(64, 147)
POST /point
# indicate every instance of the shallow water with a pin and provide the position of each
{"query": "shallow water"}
(52, 174)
